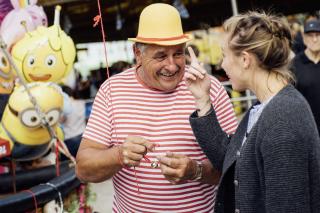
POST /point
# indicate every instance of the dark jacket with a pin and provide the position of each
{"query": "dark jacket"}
(307, 75)
(278, 167)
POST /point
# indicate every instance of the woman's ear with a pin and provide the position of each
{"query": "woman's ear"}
(246, 59)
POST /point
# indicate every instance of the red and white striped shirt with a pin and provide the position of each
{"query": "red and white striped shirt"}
(123, 107)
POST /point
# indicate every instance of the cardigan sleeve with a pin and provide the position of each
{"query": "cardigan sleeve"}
(210, 136)
(286, 170)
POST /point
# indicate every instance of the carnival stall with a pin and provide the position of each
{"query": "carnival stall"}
(34, 58)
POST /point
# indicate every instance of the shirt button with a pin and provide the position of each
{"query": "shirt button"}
(236, 183)
(238, 153)
(237, 211)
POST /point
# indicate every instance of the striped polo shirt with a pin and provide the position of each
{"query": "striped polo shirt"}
(123, 107)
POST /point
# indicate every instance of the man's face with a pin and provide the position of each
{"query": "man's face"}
(161, 67)
(312, 41)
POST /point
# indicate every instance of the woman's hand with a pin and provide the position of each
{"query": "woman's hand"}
(198, 82)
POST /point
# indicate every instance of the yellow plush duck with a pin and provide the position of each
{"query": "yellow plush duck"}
(21, 125)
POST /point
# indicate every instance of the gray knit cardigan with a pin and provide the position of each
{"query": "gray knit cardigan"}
(278, 167)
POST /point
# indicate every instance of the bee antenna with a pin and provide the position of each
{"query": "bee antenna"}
(24, 24)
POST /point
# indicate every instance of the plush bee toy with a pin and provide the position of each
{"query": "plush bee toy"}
(21, 125)
(46, 54)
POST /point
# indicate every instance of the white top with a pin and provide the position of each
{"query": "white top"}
(75, 122)
(254, 115)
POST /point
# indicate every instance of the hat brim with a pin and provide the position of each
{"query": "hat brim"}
(312, 31)
(164, 42)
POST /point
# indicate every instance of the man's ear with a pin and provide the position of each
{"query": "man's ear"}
(137, 54)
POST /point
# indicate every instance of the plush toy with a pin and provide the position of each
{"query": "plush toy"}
(26, 16)
(21, 126)
(6, 75)
(5, 8)
(46, 54)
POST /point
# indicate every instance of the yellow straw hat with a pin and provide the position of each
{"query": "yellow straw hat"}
(160, 24)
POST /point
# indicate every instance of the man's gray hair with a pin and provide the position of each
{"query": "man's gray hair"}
(141, 46)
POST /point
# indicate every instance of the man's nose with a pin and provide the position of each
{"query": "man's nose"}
(171, 63)
(315, 38)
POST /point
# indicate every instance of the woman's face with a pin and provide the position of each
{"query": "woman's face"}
(233, 67)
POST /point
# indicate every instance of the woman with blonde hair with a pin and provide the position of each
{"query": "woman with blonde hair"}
(272, 162)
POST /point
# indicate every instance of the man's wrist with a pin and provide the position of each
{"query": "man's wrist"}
(198, 172)
(120, 155)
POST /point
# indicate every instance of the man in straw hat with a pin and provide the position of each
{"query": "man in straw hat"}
(138, 132)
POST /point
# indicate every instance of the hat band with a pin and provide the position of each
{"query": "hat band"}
(162, 39)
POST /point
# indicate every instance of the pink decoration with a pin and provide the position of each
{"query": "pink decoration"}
(5, 8)
(11, 28)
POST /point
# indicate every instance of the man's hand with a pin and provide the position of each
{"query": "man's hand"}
(177, 168)
(133, 150)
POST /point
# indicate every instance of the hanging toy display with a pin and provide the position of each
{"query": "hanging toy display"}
(5, 8)
(26, 12)
(46, 54)
(6, 75)
(22, 126)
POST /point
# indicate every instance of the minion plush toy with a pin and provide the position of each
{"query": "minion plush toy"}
(46, 54)
(21, 126)
(6, 76)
